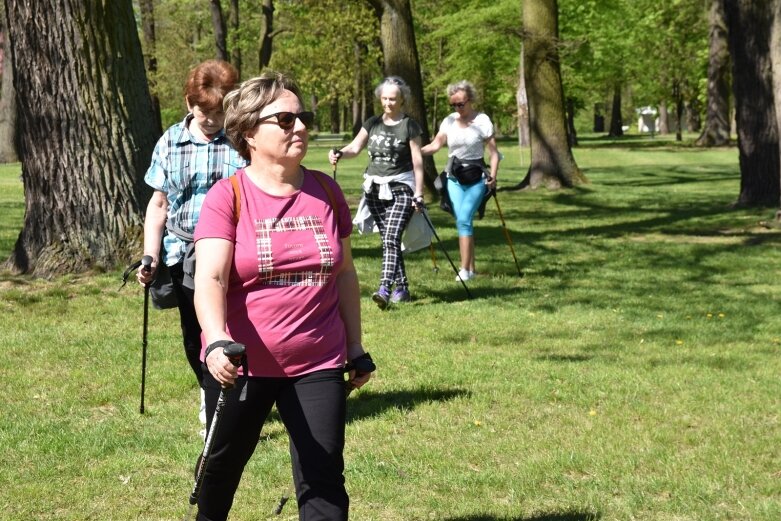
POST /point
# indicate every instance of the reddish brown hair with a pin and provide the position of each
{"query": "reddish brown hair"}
(208, 83)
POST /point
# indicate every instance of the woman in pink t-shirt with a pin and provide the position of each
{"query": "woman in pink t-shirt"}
(275, 273)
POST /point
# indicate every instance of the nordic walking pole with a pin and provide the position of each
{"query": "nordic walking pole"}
(338, 154)
(362, 365)
(507, 235)
(442, 247)
(146, 262)
(236, 353)
(433, 257)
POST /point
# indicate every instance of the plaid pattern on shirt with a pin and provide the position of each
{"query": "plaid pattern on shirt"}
(185, 168)
(268, 275)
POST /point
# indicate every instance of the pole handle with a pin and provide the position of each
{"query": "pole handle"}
(146, 263)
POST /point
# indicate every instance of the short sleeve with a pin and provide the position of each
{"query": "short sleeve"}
(485, 126)
(157, 174)
(342, 210)
(369, 123)
(413, 129)
(216, 220)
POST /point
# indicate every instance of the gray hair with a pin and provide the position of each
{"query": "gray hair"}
(394, 81)
(244, 105)
(463, 86)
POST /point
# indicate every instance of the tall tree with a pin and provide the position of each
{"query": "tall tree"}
(266, 36)
(220, 31)
(749, 26)
(7, 98)
(400, 55)
(552, 163)
(85, 133)
(233, 22)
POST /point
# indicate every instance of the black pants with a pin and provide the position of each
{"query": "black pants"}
(313, 409)
(191, 329)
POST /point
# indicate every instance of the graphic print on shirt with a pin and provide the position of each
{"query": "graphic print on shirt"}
(293, 251)
(383, 147)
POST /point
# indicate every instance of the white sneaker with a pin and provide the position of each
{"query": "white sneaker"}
(465, 275)
(202, 411)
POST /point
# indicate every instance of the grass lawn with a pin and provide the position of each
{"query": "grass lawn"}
(632, 373)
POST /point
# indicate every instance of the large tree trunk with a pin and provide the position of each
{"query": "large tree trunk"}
(717, 119)
(775, 58)
(749, 23)
(85, 134)
(400, 54)
(616, 119)
(523, 108)
(150, 56)
(678, 97)
(552, 164)
(218, 26)
(664, 118)
(7, 98)
(358, 90)
(266, 38)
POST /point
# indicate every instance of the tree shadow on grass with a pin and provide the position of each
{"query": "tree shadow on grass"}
(368, 403)
(566, 516)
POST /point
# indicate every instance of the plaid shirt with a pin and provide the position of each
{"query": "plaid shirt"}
(184, 168)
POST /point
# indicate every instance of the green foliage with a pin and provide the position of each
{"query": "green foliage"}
(632, 373)
(477, 41)
(647, 46)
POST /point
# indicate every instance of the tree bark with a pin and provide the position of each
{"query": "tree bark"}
(749, 27)
(775, 58)
(552, 164)
(150, 56)
(265, 38)
(664, 118)
(85, 134)
(523, 108)
(678, 97)
(7, 98)
(572, 133)
(218, 26)
(233, 22)
(616, 119)
(400, 54)
(599, 117)
(717, 119)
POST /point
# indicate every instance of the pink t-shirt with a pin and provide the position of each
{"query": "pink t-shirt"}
(282, 300)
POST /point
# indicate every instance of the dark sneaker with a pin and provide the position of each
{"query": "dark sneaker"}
(381, 297)
(400, 295)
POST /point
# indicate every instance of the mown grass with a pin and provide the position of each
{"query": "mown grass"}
(631, 374)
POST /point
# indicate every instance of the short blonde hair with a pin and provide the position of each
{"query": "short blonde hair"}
(463, 86)
(244, 105)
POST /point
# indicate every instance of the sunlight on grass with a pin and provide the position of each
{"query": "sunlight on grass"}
(631, 373)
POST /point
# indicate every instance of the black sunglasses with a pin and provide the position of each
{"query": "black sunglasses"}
(287, 120)
(458, 105)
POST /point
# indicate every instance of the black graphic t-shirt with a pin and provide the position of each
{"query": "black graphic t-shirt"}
(388, 145)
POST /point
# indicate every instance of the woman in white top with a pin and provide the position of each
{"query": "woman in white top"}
(467, 133)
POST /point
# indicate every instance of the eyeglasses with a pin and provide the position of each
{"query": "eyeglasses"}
(287, 120)
(459, 105)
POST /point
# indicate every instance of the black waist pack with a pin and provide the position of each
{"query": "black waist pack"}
(467, 173)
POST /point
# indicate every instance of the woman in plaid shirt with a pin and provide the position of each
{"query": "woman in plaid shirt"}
(189, 158)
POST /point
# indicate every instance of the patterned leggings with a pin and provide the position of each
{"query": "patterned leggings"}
(391, 217)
